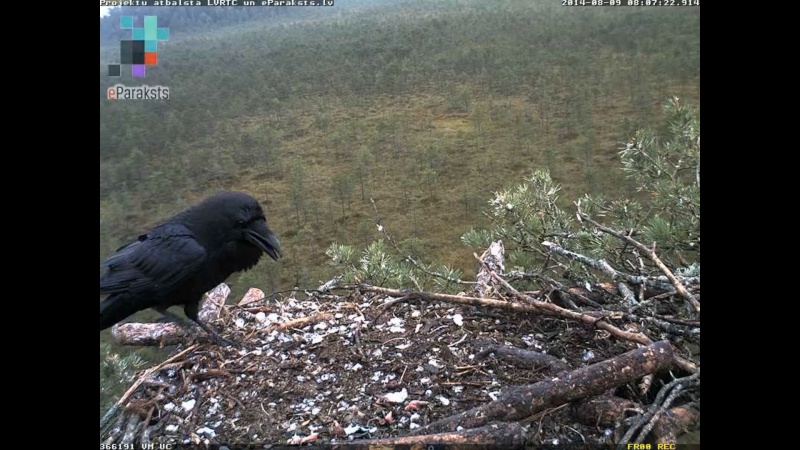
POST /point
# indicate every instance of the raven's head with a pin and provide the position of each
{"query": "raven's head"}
(248, 222)
(229, 217)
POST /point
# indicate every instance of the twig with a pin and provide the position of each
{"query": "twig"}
(658, 407)
(650, 253)
(319, 317)
(601, 265)
(147, 373)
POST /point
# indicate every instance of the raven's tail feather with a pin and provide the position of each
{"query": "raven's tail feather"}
(116, 308)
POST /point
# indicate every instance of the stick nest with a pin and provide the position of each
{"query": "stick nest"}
(333, 368)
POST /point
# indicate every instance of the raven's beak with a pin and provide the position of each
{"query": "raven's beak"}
(259, 235)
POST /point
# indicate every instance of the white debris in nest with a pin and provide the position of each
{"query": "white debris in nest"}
(434, 363)
(213, 408)
(425, 380)
(301, 378)
(355, 367)
(171, 428)
(343, 405)
(169, 406)
(389, 377)
(351, 429)
(321, 326)
(444, 400)
(420, 369)
(417, 328)
(415, 313)
(326, 377)
(317, 339)
(428, 393)
(338, 315)
(284, 338)
(208, 432)
(396, 325)
(458, 389)
(493, 395)
(396, 397)
(315, 410)
(188, 405)
(413, 425)
(261, 317)
(459, 428)
(272, 404)
(377, 353)
(458, 320)
(292, 427)
(377, 375)
(588, 355)
(402, 346)
(239, 322)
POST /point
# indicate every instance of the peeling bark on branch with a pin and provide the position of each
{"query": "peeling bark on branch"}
(170, 333)
(525, 401)
(493, 260)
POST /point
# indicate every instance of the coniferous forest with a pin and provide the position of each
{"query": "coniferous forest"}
(428, 107)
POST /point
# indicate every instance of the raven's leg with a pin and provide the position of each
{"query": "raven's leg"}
(171, 315)
(192, 309)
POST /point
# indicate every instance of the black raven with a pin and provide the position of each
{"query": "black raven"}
(184, 257)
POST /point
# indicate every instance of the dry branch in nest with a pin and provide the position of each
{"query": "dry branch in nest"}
(386, 367)
(524, 401)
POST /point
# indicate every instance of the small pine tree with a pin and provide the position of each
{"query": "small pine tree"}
(116, 374)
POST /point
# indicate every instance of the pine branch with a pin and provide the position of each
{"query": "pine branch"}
(408, 258)
(650, 253)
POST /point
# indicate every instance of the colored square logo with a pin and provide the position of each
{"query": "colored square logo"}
(141, 49)
(126, 22)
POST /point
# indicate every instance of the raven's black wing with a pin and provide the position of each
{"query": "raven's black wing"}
(156, 262)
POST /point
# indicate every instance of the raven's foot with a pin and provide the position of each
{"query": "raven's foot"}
(219, 340)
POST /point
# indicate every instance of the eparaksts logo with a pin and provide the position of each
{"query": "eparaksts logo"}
(144, 92)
